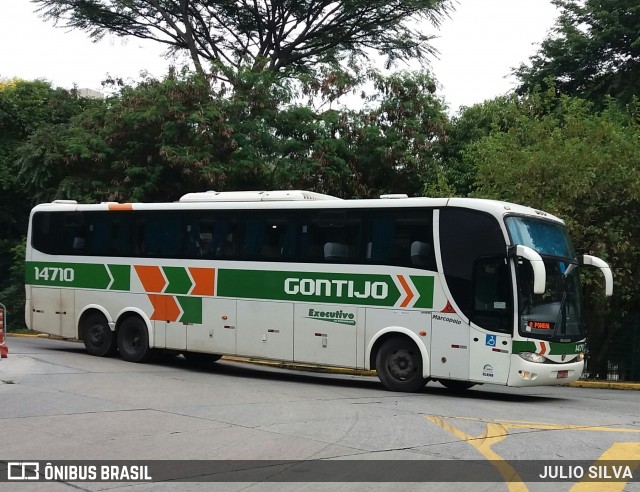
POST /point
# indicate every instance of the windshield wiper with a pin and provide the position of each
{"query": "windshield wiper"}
(570, 268)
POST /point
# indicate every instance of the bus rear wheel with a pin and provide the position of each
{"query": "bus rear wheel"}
(399, 365)
(98, 338)
(133, 340)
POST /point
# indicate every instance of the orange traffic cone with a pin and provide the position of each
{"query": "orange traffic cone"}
(3, 343)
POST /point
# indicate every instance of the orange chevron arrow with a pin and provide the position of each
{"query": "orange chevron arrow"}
(543, 348)
(408, 291)
(165, 308)
(204, 279)
(151, 278)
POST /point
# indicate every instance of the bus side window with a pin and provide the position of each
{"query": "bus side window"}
(269, 236)
(254, 229)
(480, 288)
(171, 238)
(74, 239)
(150, 236)
(492, 294)
(331, 236)
(381, 239)
(404, 238)
(198, 236)
(100, 235)
(225, 238)
(46, 237)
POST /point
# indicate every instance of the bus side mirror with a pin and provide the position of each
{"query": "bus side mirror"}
(539, 271)
(604, 267)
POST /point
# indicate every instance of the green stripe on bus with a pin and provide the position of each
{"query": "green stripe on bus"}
(78, 275)
(121, 277)
(192, 309)
(333, 288)
(556, 348)
(179, 280)
(424, 285)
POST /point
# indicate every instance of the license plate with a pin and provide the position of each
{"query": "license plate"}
(563, 374)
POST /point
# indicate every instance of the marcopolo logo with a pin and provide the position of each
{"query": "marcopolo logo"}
(336, 288)
(339, 316)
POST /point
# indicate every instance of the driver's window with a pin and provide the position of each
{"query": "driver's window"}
(492, 294)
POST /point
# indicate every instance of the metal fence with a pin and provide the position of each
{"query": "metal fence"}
(615, 356)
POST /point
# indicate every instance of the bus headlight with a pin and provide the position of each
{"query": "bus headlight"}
(533, 357)
(580, 357)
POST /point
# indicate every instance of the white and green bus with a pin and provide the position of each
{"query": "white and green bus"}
(460, 291)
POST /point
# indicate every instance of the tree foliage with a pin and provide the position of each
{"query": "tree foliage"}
(593, 51)
(25, 108)
(162, 138)
(560, 155)
(276, 35)
(456, 176)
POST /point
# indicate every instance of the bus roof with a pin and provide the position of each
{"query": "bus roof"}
(299, 199)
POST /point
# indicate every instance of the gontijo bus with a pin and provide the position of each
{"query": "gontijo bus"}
(462, 291)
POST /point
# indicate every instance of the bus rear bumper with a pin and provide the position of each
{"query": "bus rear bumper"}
(525, 373)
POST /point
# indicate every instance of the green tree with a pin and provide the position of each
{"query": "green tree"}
(456, 176)
(159, 139)
(276, 35)
(583, 166)
(25, 108)
(592, 52)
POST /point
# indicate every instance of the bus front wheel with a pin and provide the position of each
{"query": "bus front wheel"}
(133, 340)
(98, 338)
(399, 365)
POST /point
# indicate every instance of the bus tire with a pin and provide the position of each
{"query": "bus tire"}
(454, 385)
(133, 340)
(98, 338)
(399, 365)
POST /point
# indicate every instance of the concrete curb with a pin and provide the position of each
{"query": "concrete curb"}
(606, 385)
(28, 335)
(355, 372)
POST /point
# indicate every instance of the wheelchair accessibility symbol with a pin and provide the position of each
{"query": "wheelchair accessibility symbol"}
(491, 341)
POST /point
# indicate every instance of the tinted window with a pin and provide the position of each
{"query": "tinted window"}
(109, 234)
(492, 294)
(331, 236)
(404, 238)
(198, 234)
(158, 235)
(545, 237)
(467, 236)
(269, 236)
(46, 231)
(208, 234)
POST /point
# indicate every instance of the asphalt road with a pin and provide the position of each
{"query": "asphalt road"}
(58, 403)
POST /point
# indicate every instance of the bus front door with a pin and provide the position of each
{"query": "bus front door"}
(449, 346)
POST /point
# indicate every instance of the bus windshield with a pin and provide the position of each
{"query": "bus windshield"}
(555, 315)
(545, 237)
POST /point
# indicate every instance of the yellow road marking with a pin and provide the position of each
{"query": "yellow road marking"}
(622, 451)
(498, 430)
(493, 434)
(520, 424)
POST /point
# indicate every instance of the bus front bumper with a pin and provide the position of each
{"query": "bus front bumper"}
(525, 373)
